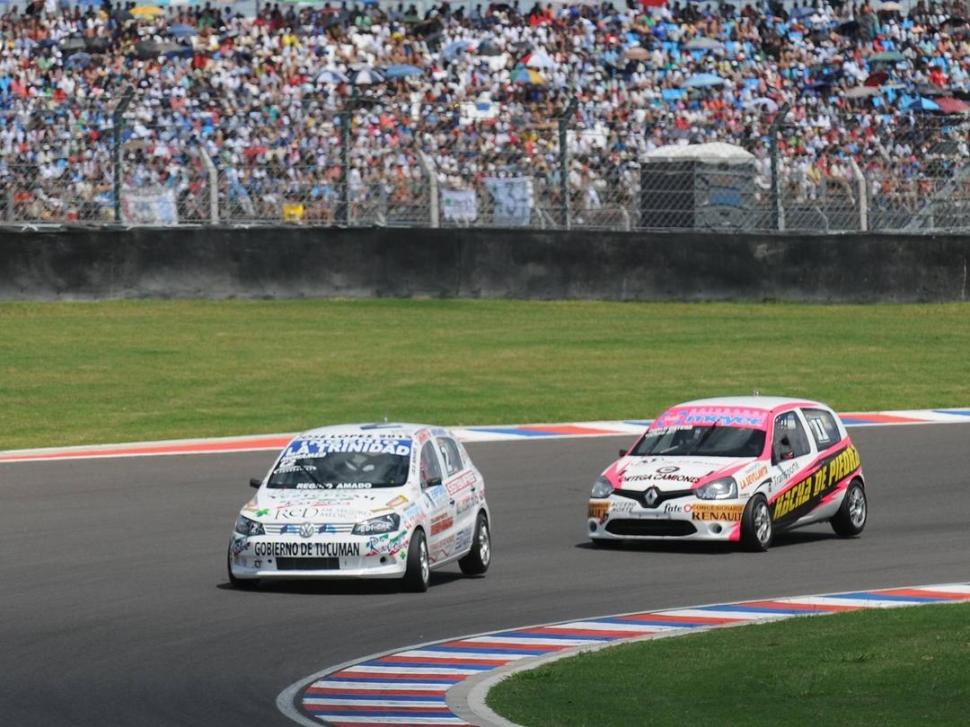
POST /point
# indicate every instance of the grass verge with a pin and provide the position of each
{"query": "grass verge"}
(894, 667)
(76, 373)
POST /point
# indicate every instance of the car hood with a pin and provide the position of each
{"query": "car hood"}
(671, 473)
(338, 506)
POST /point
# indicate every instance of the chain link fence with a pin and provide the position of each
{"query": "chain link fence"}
(539, 163)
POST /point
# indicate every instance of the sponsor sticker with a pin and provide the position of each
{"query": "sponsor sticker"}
(731, 513)
(798, 499)
(297, 550)
(753, 476)
(441, 523)
(597, 510)
(365, 445)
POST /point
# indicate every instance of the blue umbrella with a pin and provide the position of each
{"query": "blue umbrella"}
(402, 70)
(182, 31)
(452, 50)
(330, 75)
(78, 60)
(704, 80)
(919, 103)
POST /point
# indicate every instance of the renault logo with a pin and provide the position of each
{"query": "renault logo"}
(306, 530)
(651, 496)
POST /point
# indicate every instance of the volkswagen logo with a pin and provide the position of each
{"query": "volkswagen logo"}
(651, 496)
(306, 530)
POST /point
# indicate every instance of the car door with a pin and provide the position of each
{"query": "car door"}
(793, 455)
(462, 485)
(441, 505)
(830, 440)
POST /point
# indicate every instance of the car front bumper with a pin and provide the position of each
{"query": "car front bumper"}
(617, 518)
(293, 557)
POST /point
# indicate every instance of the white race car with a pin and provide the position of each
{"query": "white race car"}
(732, 469)
(364, 501)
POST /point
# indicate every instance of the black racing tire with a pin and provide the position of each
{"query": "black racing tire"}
(417, 575)
(851, 518)
(756, 527)
(480, 556)
(243, 584)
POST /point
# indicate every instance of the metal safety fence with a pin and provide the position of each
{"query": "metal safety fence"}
(549, 165)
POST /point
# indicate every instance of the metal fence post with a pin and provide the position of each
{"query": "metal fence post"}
(429, 168)
(117, 126)
(567, 113)
(346, 120)
(213, 186)
(778, 212)
(863, 192)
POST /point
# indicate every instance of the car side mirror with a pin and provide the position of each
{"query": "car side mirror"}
(623, 452)
(433, 482)
(253, 482)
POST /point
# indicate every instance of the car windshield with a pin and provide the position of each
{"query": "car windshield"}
(342, 464)
(706, 441)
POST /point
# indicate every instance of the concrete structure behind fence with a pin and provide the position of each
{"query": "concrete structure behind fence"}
(292, 262)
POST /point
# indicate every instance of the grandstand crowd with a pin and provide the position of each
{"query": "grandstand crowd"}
(466, 95)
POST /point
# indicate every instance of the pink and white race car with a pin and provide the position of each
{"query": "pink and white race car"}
(736, 469)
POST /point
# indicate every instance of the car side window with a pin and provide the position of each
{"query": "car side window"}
(430, 468)
(451, 455)
(790, 440)
(823, 427)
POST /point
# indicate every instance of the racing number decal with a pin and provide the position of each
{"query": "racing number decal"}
(800, 498)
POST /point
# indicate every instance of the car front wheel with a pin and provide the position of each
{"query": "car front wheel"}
(851, 518)
(756, 529)
(245, 584)
(480, 556)
(417, 575)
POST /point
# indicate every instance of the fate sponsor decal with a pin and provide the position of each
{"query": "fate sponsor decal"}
(441, 523)
(703, 511)
(754, 476)
(797, 500)
(322, 446)
(296, 550)
(597, 509)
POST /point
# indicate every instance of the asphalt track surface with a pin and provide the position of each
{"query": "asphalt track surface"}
(115, 607)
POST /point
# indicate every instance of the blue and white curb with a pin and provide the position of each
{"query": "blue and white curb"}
(445, 682)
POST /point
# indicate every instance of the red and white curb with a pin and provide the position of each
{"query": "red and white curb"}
(497, 433)
(445, 682)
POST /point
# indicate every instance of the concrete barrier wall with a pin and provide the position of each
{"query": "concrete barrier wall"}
(299, 262)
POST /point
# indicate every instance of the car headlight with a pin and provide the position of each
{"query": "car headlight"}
(382, 524)
(245, 526)
(723, 489)
(602, 488)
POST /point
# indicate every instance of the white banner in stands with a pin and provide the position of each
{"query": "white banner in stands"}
(459, 205)
(149, 207)
(513, 200)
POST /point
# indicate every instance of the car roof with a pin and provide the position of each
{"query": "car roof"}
(763, 403)
(368, 429)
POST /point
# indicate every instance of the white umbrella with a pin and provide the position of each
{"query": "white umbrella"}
(367, 77)
(540, 59)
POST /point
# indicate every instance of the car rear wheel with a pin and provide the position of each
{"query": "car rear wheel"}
(851, 518)
(480, 556)
(756, 529)
(417, 575)
(245, 584)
